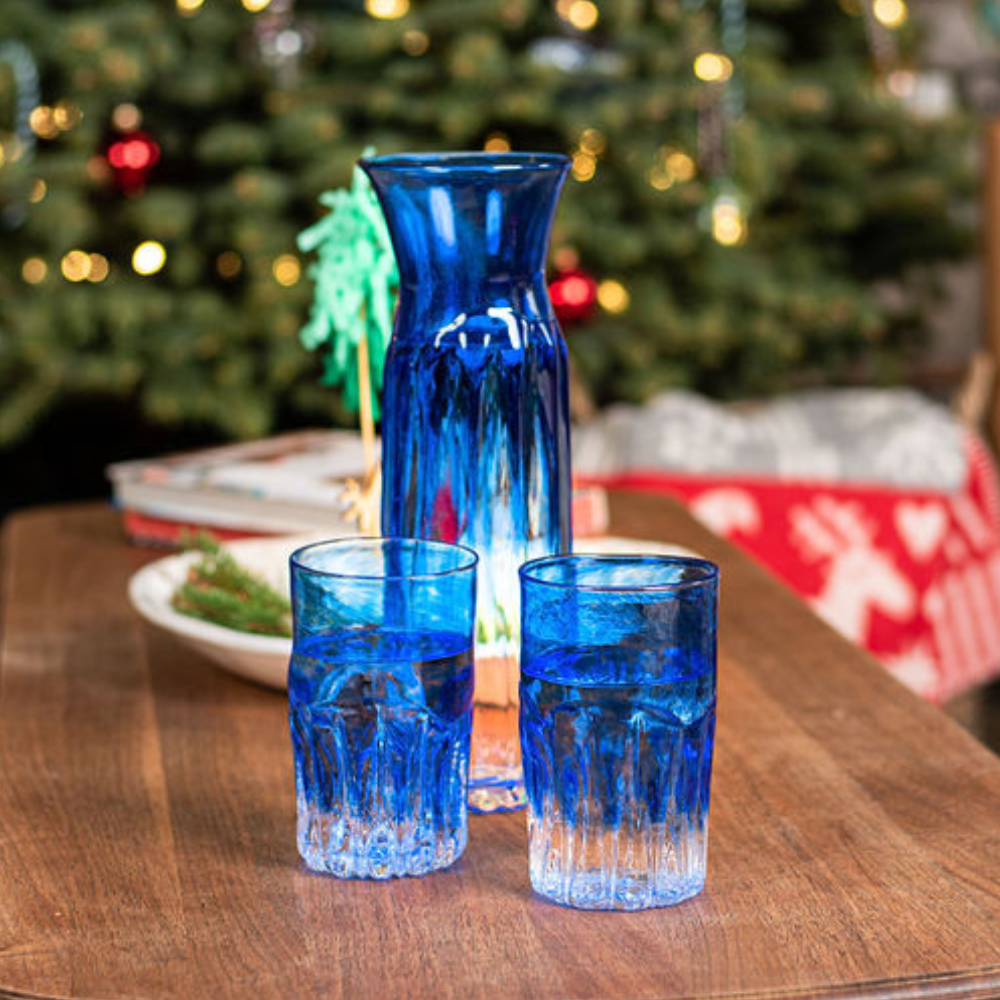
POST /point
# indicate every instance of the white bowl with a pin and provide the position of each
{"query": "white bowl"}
(260, 658)
(263, 658)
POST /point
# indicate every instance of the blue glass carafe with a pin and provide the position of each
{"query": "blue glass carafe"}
(475, 425)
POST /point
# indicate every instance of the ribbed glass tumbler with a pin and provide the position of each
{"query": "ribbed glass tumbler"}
(618, 669)
(380, 703)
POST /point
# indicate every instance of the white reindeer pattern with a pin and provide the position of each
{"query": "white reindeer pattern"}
(858, 577)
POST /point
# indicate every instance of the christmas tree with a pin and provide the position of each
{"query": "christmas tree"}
(744, 184)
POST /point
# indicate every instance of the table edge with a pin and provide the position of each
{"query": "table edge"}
(974, 984)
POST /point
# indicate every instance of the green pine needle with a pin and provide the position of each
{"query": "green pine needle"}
(219, 590)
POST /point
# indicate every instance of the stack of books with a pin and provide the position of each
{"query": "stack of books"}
(287, 484)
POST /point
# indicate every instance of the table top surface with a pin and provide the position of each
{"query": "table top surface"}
(147, 844)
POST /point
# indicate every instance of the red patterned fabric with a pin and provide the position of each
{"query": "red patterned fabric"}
(911, 575)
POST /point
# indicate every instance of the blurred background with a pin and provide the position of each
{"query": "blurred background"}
(765, 195)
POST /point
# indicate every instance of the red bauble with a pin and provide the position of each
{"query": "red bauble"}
(574, 296)
(132, 157)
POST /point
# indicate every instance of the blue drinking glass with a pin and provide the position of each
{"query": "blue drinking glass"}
(617, 722)
(475, 426)
(380, 703)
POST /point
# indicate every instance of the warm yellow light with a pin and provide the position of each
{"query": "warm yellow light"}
(42, 122)
(3, 155)
(581, 14)
(497, 142)
(613, 296)
(126, 117)
(38, 191)
(891, 13)
(386, 10)
(287, 270)
(680, 165)
(254, 6)
(66, 116)
(584, 165)
(75, 266)
(229, 263)
(149, 257)
(661, 179)
(189, 6)
(99, 267)
(415, 43)
(34, 270)
(592, 141)
(713, 67)
(728, 225)
(727, 231)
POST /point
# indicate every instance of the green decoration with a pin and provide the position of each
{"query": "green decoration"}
(355, 279)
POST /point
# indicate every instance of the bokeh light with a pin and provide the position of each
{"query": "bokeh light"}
(584, 165)
(126, 117)
(728, 224)
(229, 263)
(415, 43)
(497, 142)
(75, 265)
(713, 67)
(287, 270)
(680, 165)
(387, 10)
(149, 257)
(581, 14)
(891, 13)
(661, 179)
(34, 270)
(139, 153)
(99, 268)
(66, 116)
(42, 122)
(613, 296)
(566, 258)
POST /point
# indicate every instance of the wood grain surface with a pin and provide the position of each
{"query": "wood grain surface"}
(147, 845)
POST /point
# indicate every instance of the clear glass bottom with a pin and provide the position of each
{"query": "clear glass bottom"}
(615, 869)
(331, 843)
(496, 781)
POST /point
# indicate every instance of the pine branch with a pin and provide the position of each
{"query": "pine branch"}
(219, 590)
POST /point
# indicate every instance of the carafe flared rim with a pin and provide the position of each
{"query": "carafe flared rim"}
(467, 163)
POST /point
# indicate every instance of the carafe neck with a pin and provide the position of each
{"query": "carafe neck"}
(469, 229)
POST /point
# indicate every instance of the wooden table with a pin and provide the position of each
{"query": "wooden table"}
(147, 845)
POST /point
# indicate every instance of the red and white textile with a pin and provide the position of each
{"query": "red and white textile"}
(911, 573)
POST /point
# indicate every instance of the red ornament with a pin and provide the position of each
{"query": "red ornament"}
(132, 157)
(574, 296)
